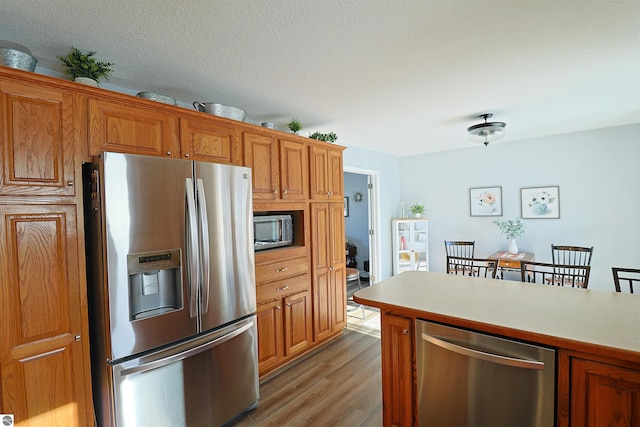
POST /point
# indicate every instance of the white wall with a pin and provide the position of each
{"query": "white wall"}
(388, 195)
(598, 173)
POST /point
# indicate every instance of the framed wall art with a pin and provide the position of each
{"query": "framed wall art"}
(540, 202)
(485, 201)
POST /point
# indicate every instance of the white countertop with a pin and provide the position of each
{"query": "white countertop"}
(593, 317)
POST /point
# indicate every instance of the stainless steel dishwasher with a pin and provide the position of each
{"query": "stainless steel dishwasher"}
(470, 379)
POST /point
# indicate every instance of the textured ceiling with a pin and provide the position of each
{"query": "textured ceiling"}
(400, 77)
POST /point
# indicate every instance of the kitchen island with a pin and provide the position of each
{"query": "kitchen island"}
(596, 335)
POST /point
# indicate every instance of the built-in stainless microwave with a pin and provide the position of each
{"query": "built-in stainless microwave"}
(272, 231)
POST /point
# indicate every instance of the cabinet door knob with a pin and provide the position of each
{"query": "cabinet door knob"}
(285, 192)
(186, 154)
(288, 304)
(284, 288)
(168, 153)
(405, 331)
(77, 337)
(278, 307)
(69, 183)
(275, 191)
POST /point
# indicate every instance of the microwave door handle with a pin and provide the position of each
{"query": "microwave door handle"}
(192, 248)
(288, 226)
(204, 230)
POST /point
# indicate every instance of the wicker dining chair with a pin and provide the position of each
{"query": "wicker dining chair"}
(457, 248)
(568, 275)
(477, 267)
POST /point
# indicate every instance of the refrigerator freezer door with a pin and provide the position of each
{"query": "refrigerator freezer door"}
(225, 192)
(144, 206)
(204, 382)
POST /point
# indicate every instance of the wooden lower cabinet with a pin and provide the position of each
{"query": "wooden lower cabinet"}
(270, 335)
(397, 370)
(44, 351)
(602, 392)
(284, 329)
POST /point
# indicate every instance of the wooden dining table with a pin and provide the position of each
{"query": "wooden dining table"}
(510, 262)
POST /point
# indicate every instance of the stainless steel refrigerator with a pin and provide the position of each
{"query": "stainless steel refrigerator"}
(171, 286)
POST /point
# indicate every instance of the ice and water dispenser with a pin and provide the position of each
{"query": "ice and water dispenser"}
(155, 283)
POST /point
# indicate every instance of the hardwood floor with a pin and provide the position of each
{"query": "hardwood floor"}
(340, 385)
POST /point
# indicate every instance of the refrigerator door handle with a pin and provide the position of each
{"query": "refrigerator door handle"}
(187, 353)
(204, 229)
(192, 255)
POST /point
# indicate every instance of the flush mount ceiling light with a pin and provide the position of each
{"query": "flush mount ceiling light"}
(488, 131)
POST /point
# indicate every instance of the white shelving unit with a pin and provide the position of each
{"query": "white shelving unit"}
(410, 245)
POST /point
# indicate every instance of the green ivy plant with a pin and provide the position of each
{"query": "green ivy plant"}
(81, 64)
(295, 125)
(328, 137)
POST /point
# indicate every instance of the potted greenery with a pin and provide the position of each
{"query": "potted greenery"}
(512, 229)
(328, 137)
(417, 210)
(82, 66)
(295, 125)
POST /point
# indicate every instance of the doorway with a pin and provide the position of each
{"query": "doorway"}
(361, 220)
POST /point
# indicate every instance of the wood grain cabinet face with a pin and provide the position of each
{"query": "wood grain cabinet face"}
(297, 322)
(326, 174)
(261, 155)
(328, 267)
(397, 370)
(36, 141)
(270, 335)
(604, 395)
(130, 129)
(43, 353)
(279, 167)
(284, 328)
(294, 170)
(210, 141)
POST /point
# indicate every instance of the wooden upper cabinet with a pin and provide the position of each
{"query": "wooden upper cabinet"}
(115, 126)
(326, 173)
(294, 170)
(210, 141)
(261, 155)
(44, 351)
(37, 141)
(279, 167)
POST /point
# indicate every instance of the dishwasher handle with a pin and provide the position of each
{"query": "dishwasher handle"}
(489, 357)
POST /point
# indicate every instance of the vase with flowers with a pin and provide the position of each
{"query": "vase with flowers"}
(512, 229)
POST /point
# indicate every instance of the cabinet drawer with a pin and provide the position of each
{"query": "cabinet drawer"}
(282, 288)
(509, 264)
(281, 269)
